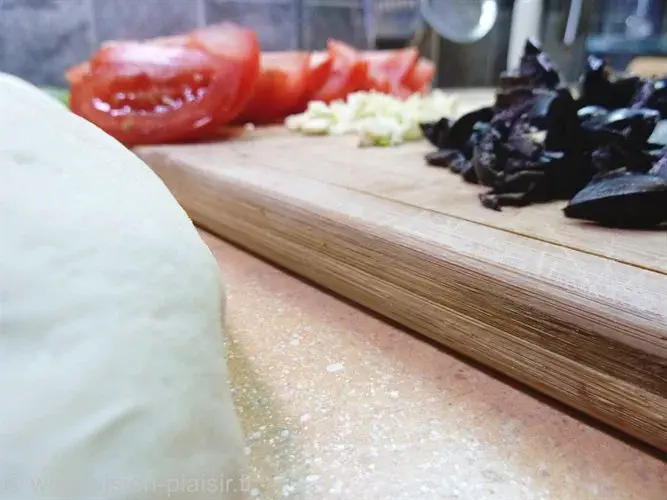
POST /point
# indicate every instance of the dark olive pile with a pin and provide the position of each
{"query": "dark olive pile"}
(605, 152)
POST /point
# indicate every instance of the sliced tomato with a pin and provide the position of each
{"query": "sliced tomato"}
(348, 73)
(319, 71)
(401, 91)
(143, 93)
(182, 40)
(77, 72)
(236, 47)
(283, 82)
(421, 76)
(388, 70)
(377, 77)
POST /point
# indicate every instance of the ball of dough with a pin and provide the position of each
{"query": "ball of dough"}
(112, 359)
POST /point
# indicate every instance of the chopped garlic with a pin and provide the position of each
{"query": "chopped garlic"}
(316, 126)
(377, 119)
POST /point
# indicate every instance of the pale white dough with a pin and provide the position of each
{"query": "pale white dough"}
(113, 382)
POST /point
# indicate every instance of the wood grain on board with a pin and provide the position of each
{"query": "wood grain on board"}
(577, 311)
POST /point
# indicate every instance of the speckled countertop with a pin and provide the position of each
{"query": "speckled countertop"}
(337, 404)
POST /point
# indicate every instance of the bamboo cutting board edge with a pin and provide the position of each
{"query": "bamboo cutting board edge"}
(240, 203)
(400, 175)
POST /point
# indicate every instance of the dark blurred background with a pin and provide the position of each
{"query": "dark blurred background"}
(39, 39)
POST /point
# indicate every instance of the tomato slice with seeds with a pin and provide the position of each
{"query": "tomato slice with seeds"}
(143, 93)
(282, 84)
(348, 73)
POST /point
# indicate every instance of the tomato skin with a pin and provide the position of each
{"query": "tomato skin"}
(320, 66)
(348, 73)
(148, 93)
(377, 77)
(234, 49)
(319, 69)
(421, 76)
(77, 72)
(282, 84)
(232, 45)
(388, 70)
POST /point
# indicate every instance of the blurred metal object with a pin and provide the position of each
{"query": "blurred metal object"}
(481, 63)
(397, 19)
(637, 25)
(611, 39)
(566, 28)
(572, 25)
(461, 21)
(526, 22)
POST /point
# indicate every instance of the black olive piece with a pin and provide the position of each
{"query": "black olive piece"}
(596, 64)
(652, 94)
(546, 161)
(511, 98)
(532, 47)
(459, 163)
(630, 201)
(504, 120)
(490, 200)
(592, 116)
(523, 181)
(519, 189)
(613, 149)
(495, 201)
(469, 175)
(447, 158)
(660, 167)
(524, 144)
(601, 176)
(510, 81)
(436, 132)
(659, 135)
(594, 86)
(588, 112)
(537, 64)
(463, 128)
(556, 113)
(622, 91)
(489, 157)
(598, 88)
(635, 124)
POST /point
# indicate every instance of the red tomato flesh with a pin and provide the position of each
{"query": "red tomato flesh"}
(421, 76)
(282, 84)
(348, 73)
(388, 70)
(236, 47)
(148, 93)
(319, 71)
(377, 78)
(77, 72)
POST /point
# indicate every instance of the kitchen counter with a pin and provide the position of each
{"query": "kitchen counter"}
(336, 403)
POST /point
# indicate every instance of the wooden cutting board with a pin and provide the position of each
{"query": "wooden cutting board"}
(577, 311)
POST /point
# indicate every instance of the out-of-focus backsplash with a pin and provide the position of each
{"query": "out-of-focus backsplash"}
(39, 39)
